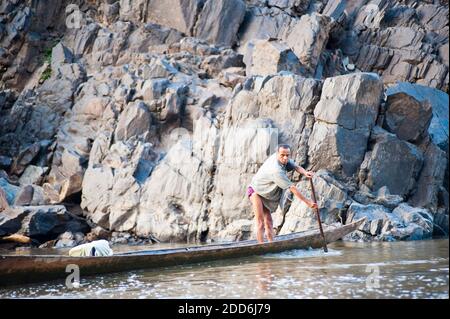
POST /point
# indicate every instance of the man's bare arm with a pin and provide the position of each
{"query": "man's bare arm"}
(297, 193)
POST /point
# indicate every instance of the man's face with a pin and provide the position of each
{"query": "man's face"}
(283, 155)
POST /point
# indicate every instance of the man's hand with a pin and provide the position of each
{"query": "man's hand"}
(309, 174)
(311, 204)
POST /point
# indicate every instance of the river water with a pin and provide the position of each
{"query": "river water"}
(417, 269)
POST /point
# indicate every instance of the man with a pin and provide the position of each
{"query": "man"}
(267, 186)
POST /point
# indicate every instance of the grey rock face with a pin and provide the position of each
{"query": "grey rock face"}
(308, 39)
(158, 114)
(219, 21)
(265, 57)
(346, 112)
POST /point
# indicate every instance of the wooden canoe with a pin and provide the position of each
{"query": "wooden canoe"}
(16, 270)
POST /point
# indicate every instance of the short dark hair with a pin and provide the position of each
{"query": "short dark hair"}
(285, 146)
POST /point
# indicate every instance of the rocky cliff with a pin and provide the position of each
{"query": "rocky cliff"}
(146, 120)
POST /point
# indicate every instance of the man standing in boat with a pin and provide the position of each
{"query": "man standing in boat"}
(268, 185)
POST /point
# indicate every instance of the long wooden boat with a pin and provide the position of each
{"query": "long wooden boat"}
(16, 270)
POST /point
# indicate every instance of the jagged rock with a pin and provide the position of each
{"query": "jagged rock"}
(10, 190)
(263, 23)
(346, 112)
(308, 37)
(432, 16)
(177, 14)
(376, 215)
(392, 162)
(394, 41)
(41, 223)
(332, 199)
(266, 57)
(418, 222)
(219, 21)
(149, 37)
(110, 11)
(158, 68)
(25, 196)
(32, 175)
(109, 43)
(439, 102)
(215, 63)
(24, 158)
(231, 77)
(133, 10)
(154, 89)
(401, 111)
(134, 121)
(82, 39)
(431, 178)
(60, 54)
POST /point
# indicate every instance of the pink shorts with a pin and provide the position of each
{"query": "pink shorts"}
(250, 191)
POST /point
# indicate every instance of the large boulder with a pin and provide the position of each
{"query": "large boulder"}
(438, 100)
(219, 21)
(41, 223)
(392, 162)
(177, 14)
(32, 175)
(407, 117)
(134, 121)
(60, 55)
(308, 38)
(345, 114)
(266, 57)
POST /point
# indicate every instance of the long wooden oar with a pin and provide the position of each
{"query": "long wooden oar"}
(325, 248)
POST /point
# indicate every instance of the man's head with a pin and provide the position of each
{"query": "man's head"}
(283, 153)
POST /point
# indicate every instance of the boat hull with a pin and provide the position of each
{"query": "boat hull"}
(16, 270)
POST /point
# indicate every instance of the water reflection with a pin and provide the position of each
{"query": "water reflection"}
(264, 277)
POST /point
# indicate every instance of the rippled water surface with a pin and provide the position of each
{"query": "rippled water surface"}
(417, 269)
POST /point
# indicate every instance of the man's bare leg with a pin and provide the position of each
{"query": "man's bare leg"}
(268, 224)
(259, 214)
